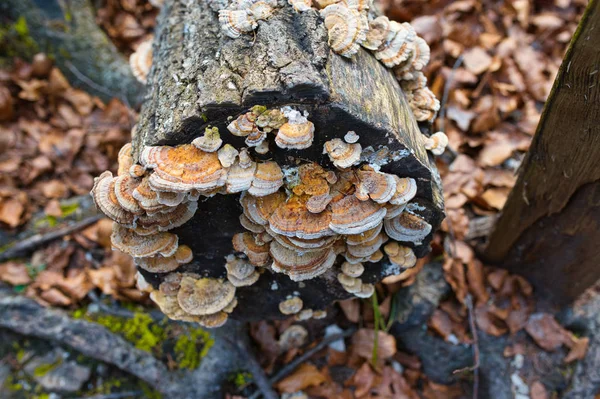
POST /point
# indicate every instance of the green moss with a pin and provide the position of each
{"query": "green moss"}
(240, 379)
(192, 347)
(259, 109)
(139, 330)
(21, 27)
(44, 369)
(15, 40)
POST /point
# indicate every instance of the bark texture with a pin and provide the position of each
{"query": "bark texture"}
(67, 31)
(202, 78)
(549, 228)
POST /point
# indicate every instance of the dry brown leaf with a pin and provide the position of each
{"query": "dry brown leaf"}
(440, 323)
(477, 60)
(579, 347)
(14, 273)
(538, 391)
(306, 375)
(363, 342)
(363, 380)
(11, 210)
(546, 332)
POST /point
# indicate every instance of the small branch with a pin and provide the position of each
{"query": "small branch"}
(258, 374)
(291, 366)
(21, 247)
(444, 103)
(116, 395)
(475, 367)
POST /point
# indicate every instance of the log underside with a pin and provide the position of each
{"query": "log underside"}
(201, 78)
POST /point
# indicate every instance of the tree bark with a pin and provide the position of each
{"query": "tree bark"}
(67, 31)
(549, 228)
(201, 78)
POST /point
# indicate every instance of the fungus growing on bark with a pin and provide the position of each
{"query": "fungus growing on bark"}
(293, 219)
(260, 209)
(366, 291)
(257, 254)
(400, 48)
(342, 154)
(351, 137)
(304, 314)
(350, 284)
(380, 187)
(240, 178)
(296, 136)
(210, 141)
(236, 22)
(353, 269)
(240, 273)
(301, 5)
(227, 155)
(124, 159)
(301, 266)
(183, 168)
(161, 264)
(368, 248)
(168, 220)
(243, 125)
(204, 296)
(268, 178)
(400, 255)
(407, 227)
(291, 305)
(138, 246)
(353, 216)
(406, 189)
(105, 198)
(436, 143)
(147, 198)
(347, 28)
(141, 60)
(380, 32)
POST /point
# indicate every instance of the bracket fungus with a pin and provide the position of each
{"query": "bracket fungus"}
(140, 60)
(232, 209)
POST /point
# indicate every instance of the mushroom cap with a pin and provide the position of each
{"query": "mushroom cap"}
(352, 216)
(400, 48)
(124, 159)
(295, 135)
(350, 284)
(105, 198)
(173, 218)
(170, 199)
(292, 219)
(379, 30)
(240, 178)
(366, 291)
(313, 180)
(256, 138)
(141, 283)
(318, 203)
(141, 60)
(147, 198)
(262, 148)
(169, 305)
(319, 314)
(210, 141)
(244, 282)
(393, 210)
(138, 246)
(235, 22)
(230, 306)
(157, 264)
(406, 189)
(184, 254)
(380, 187)
(376, 257)
(342, 154)
(204, 296)
(368, 248)
(243, 125)
(238, 267)
(304, 314)
(351, 137)
(260, 209)
(347, 28)
(304, 245)
(407, 227)
(291, 306)
(353, 269)
(400, 255)
(423, 103)
(250, 225)
(257, 254)
(357, 239)
(268, 178)
(437, 143)
(214, 320)
(227, 155)
(301, 5)
(183, 168)
(301, 266)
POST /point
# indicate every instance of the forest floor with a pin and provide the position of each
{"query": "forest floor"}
(471, 330)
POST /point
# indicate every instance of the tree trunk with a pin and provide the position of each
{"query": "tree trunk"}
(67, 32)
(202, 78)
(549, 228)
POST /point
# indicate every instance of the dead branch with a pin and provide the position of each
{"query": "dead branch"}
(21, 247)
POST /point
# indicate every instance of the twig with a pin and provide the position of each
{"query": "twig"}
(291, 366)
(475, 367)
(258, 374)
(89, 81)
(17, 248)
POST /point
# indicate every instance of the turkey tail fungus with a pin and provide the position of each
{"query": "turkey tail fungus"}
(280, 162)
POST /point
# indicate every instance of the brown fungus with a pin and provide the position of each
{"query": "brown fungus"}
(291, 305)
(138, 246)
(407, 227)
(301, 266)
(257, 254)
(352, 216)
(204, 296)
(400, 255)
(268, 178)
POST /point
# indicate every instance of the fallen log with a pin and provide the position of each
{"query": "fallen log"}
(325, 146)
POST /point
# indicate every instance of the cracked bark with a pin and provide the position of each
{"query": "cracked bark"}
(549, 228)
(201, 78)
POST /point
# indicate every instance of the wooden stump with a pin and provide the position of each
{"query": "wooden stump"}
(201, 78)
(550, 226)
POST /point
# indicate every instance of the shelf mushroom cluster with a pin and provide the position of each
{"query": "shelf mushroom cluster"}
(301, 221)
